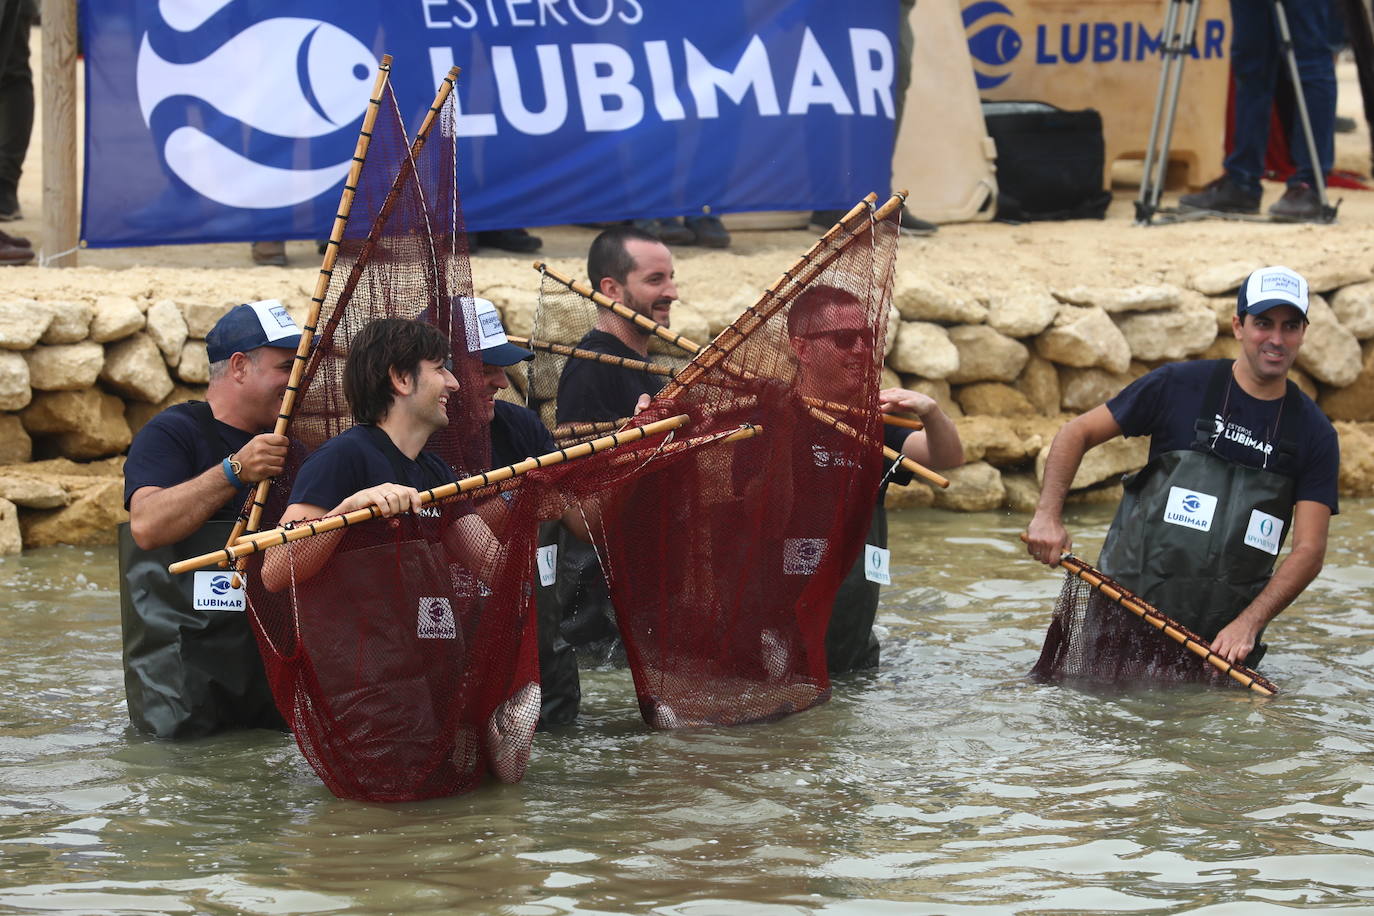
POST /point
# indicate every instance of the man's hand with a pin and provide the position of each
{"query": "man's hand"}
(264, 456)
(389, 498)
(1236, 640)
(1047, 539)
(642, 404)
(895, 400)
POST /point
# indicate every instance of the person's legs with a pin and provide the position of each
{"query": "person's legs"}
(1255, 59)
(1310, 24)
(16, 102)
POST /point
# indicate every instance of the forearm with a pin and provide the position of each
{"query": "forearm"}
(1288, 582)
(162, 516)
(943, 448)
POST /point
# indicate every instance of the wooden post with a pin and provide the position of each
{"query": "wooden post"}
(60, 189)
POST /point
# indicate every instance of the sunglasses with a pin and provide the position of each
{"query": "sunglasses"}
(844, 338)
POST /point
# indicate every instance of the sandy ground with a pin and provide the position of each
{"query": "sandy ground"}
(982, 258)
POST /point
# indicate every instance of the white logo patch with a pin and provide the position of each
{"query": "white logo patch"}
(877, 566)
(435, 619)
(214, 591)
(1190, 509)
(547, 559)
(1265, 532)
(801, 556)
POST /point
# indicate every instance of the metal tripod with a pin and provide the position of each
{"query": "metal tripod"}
(1180, 39)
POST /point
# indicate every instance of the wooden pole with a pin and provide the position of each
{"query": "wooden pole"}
(61, 223)
(610, 305)
(263, 539)
(578, 353)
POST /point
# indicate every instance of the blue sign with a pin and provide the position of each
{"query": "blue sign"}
(232, 120)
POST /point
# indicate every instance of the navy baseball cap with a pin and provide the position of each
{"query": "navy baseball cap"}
(246, 327)
(1271, 286)
(485, 321)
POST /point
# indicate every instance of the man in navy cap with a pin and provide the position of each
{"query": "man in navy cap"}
(1238, 457)
(190, 663)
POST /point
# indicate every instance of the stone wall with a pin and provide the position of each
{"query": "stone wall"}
(80, 375)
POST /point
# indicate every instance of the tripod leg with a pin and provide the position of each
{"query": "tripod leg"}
(1187, 41)
(1149, 198)
(1286, 41)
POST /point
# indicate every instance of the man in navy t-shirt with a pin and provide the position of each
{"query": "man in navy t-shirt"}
(1205, 420)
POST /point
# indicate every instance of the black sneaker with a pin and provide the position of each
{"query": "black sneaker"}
(516, 240)
(1222, 196)
(1299, 204)
(1344, 125)
(668, 231)
(708, 231)
(912, 225)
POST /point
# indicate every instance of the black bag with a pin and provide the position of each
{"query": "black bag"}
(1049, 161)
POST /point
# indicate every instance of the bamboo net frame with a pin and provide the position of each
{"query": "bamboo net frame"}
(623, 362)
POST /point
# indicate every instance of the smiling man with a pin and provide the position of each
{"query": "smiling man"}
(1238, 458)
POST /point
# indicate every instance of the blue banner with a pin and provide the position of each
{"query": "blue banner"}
(232, 120)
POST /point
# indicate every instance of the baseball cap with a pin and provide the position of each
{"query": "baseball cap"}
(1271, 286)
(483, 318)
(246, 327)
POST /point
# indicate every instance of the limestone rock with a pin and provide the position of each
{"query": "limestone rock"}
(22, 323)
(921, 297)
(1023, 491)
(973, 487)
(1223, 307)
(547, 369)
(138, 413)
(134, 367)
(1023, 312)
(691, 323)
(96, 509)
(1084, 337)
(1356, 400)
(1329, 353)
(1039, 382)
(567, 322)
(115, 318)
(194, 365)
(201, 317)
(15, 445)
(11, 541)
(1357, 459)
(167, 328)
(1326, 277)
(1223, 278)
(71, 322)
(1130, 299)
(65, 367)
(1304, 382)
(1224, 347)
(915, 495)
(992, 399)
(1084, 389)
(986, 355)
(1170, 334)
(1354, 308)
(31, 492)
(55, 412)
(1108, 461)
(894, 325)
(924, 349)
(996, 440)
(15, 391)
(889, 378)
(107, 435)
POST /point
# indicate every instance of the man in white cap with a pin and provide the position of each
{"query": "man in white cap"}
(1238, 457)
(191, 666)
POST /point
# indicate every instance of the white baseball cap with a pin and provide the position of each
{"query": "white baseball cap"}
(485, 321)
(1271, 286)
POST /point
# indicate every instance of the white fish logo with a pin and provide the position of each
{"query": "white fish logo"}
(319, 84)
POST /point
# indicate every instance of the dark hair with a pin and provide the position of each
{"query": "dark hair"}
(804, 313)
(608, 258)
(382, 345)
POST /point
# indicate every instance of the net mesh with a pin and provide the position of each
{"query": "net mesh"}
(1094, 638)
(723, 562)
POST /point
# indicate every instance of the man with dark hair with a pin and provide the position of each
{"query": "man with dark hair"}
(830, 336)
(1238, 455)
(631, 267)
(191, 666)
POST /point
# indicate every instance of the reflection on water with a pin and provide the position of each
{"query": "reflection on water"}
(943, 783)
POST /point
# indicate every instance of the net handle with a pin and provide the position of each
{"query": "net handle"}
(616, 308)
(254, 543)
(1164, 623)
(331, 252)
(611, 359)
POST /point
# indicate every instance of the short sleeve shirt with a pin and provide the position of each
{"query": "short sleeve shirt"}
(516, 434)
(362, 457)
(175, 446)
(1166, 404)
(590, 392)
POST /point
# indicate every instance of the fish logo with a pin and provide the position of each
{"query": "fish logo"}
(285, 77)
(220, 584)
(1191, 503)
(992, 45)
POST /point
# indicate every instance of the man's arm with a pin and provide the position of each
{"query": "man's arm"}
(1046, 537)
(1310, 523)
(159, 516)
(937, 446)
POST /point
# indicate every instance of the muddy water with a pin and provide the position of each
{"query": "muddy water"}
(943, 783)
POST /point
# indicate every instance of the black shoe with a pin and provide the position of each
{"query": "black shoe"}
(826, 218)
(668, 231)
(708, 231)
(1222, 196)
(1343, 125)
(912, 225)
(1299, 204)
(516, 240)
(16, 241)
(10, 214)
(14, 255)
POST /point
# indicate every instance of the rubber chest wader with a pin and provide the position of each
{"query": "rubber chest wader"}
(1196, 535)
(187, 672)
(850, 644)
